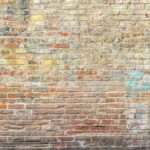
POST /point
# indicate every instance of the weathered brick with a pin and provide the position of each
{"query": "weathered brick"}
(74, 74)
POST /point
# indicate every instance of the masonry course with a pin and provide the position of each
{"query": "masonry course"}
(74, 74)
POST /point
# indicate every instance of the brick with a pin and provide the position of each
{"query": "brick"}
(11, 45)
(16, 106)
(74, 74)
(7, 90)
(2, 106)
(145, 94)
(61, 45)
(64, 33)
(90, 122)
(113, 94)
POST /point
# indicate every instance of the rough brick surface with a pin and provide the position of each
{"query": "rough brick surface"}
(75, 74)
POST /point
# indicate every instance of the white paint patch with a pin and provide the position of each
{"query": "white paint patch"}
(147, 50)
(36, 1)
(137, 117)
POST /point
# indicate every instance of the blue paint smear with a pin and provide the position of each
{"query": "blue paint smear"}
(131, 84)
(137, 86)
(138, 115)
(145, 87)
(134, 73)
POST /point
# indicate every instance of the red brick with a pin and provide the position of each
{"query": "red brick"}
(61, 45)
(16, 106)
(64, 33)
(114, 94)
(89, 122)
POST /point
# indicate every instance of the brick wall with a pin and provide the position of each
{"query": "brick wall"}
(74, 74)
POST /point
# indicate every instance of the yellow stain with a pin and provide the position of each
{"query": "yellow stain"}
(12, 56)
(15, 62)
(36, 18)
(51, 62)
(12, 50)
(9, 56)
(7, 1)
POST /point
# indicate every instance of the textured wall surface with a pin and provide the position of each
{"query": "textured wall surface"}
(75, 74)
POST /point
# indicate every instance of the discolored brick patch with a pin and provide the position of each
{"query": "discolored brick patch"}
(74, 74)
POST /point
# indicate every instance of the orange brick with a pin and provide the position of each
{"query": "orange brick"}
(114, 94)
(61, 45)
(145, 94)
(2, 106)
(64, 33)
(6, 89)
(11, 45)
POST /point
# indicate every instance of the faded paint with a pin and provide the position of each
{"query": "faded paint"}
(74, 72)
(137, 81)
